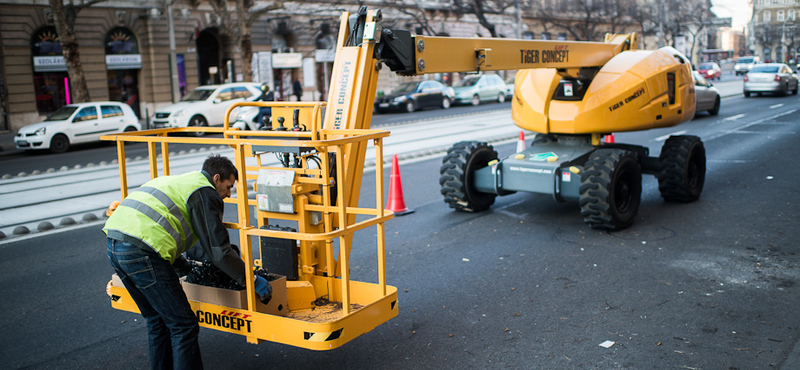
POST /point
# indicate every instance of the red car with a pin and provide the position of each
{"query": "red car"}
(710, 71)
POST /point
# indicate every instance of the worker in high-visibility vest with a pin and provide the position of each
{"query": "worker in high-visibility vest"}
(147, 233)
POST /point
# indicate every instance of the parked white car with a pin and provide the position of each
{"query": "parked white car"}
(205, 106)
(77, 123)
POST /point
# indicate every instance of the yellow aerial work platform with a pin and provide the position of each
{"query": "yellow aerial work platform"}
(324, 212)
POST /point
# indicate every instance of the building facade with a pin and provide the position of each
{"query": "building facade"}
(125, 50)
(774, 30)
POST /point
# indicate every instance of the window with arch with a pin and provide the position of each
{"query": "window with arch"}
(50, 78)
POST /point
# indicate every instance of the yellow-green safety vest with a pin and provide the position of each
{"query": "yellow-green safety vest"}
(157, 214)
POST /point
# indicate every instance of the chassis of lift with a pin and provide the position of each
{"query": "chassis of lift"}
(605, 179)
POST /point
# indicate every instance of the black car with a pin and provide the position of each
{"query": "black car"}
(414, 95)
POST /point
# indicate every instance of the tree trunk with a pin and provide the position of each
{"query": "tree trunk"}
(247, 57)
(477, 8)
(72, 56)
(245, 45)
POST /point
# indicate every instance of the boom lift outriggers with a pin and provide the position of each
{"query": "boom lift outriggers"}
(574, 93)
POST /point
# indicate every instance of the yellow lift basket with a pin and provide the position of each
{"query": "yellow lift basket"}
(354, 307)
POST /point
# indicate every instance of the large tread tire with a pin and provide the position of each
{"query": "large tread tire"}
(611, 189)
(543, 139)
(682, 171)
(456, 176)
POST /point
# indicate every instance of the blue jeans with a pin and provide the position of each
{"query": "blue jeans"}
(154, 286)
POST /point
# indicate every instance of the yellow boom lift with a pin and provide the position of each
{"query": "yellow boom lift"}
(571, 92)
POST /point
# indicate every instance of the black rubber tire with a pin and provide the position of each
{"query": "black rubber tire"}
(682, 169)
(446, 103)
(410, 106)
(540, 139)
(456, 176)
(130, 129)
(59, 143)
(746, 94)
(501, 98)
(611, 189)
(796, 87)
(715, 111)
(476, 100)
(198, 121)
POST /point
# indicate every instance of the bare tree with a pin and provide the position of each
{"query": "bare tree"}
(768, 35)
(586, 20)
(482, 8)
(237, 23)
(64, 16)
(420, 16)
(691, 17)
(644, 14)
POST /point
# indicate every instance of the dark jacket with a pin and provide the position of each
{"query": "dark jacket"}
(205, 212)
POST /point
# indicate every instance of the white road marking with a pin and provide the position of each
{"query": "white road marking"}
(729, 161)
(775, 106)
(742, 127)
(734, 118)
(665, 137)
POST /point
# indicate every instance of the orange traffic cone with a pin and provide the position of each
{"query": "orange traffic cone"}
(396, 203)
(610, 139)
(521, 142)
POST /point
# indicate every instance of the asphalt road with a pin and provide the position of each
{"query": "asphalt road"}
(525, 285)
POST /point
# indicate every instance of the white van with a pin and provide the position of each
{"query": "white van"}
(743, 65)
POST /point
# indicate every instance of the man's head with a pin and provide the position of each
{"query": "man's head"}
(223, 173)
(264, 87)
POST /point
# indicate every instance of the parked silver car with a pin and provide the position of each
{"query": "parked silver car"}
(775, 78)
(479, 88)
(706, 95)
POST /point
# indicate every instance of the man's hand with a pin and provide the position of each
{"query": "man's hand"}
(263, 289)
(112, 207)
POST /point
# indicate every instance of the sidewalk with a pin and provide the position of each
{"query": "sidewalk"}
(7, 143)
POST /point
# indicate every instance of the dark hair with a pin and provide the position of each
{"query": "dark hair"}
(219, 165)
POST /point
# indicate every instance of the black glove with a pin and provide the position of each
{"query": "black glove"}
(182, 266)
(264, 289)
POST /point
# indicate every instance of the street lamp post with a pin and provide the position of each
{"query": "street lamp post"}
(173, 57)
(784, 47)
(519, 20)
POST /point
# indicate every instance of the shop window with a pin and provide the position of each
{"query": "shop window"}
(50, 78)
(123, 63)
